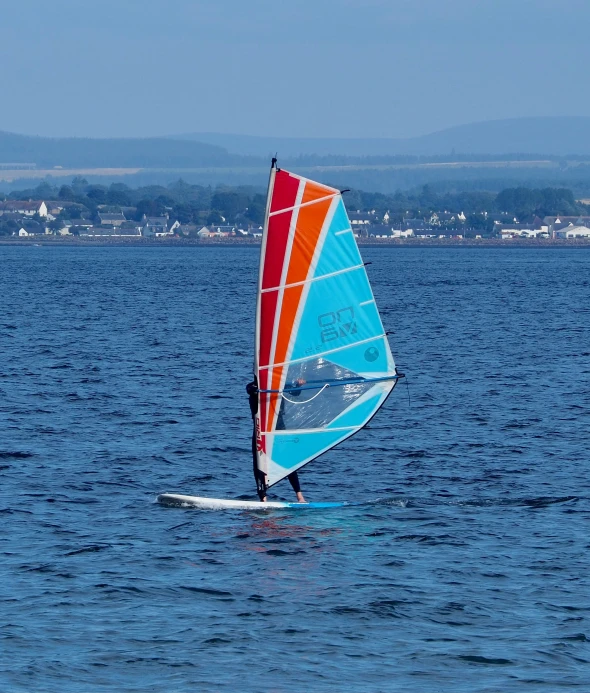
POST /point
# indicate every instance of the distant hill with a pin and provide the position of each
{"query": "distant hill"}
(556, 136)
(481, 156)
(79, 152)
(539, 136)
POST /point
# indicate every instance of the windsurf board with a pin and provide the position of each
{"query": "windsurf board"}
(180, 501)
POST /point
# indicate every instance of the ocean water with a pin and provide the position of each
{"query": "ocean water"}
(465, 569)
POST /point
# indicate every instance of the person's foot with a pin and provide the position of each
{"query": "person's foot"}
(300, 498)
(263, 500)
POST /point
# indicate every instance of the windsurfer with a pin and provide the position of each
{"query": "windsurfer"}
(252, 390)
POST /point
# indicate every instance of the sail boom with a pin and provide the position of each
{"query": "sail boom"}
(303, 431)
(335, 383)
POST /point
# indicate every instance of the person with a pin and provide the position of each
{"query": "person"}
(259, 476)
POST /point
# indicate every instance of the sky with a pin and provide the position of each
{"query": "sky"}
(305, 68)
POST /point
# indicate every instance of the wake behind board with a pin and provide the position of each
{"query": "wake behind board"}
(177, 500)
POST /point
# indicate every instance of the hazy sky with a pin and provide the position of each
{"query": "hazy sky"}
(362, 68)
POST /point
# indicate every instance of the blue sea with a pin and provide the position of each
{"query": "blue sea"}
(464, 569)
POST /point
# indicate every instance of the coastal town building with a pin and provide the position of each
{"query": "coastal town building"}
(416, 225)
(358, 218)
(523, 231)
(446, 218)
(380, 231)
(25, 209)
(112, 232)
(221, 231)
(30, 228)
(111, 218)
(159, 226)
(54, 207)
(188, 229)
(558, 226)
(573, 232)
(566, 220)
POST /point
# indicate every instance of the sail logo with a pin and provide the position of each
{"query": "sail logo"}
(259, 445)
(371, 354)
(337, 324)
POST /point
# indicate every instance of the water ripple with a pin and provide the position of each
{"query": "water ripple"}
(463, 567)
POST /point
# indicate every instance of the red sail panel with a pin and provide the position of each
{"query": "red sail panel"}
(284, 194)
(268, 308)
(276, 245)
(284, 191)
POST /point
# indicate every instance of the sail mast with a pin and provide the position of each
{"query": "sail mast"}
(271, 180)
(259, 441)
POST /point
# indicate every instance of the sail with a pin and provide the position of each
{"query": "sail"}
(322, 359)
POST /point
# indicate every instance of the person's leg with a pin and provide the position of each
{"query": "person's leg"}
(294, 481)
(260, 486)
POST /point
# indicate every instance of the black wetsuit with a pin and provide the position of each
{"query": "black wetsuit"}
(252, 390)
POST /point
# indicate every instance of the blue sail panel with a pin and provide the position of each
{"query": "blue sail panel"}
(362, 410)
(339, 310)
(367, 358)
(292, 451)
(340, 249)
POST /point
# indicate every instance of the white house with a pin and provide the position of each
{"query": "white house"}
(111, 232)
(574, 232)
(33, 231)
(358, 218)
(159, 226)
(217, 231)
(523, 231)
(26, 209)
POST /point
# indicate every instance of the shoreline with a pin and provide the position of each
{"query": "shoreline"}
(47, 241)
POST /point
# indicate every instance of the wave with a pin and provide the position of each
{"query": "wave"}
(534, 502)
